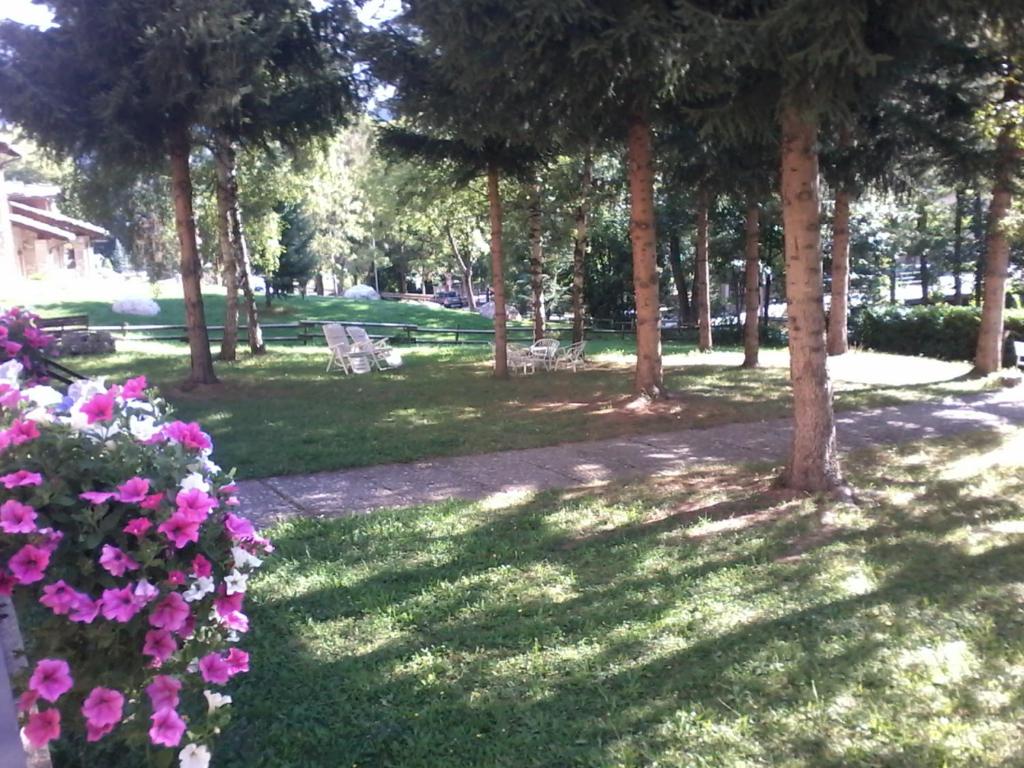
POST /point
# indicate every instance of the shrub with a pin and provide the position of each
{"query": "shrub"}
(23, 341)
(126, 562)
(941, 331)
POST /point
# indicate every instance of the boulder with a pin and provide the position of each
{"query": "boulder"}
(361, 292)
(141, 306)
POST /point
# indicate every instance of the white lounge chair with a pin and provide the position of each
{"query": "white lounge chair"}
(383, 356)
(545, 351)
(342, 354)
(571, 356)
(1018, 349)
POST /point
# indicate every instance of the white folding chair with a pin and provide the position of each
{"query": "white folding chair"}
(571, 356)
(342, 355)
(545, 351)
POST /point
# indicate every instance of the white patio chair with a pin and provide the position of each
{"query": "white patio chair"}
(382, 355)
(545, 351)
(520, 359)
(342, 354)
(1018, 349)
(571, 356)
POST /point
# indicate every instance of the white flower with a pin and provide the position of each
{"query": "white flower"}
(200, 588)
(210, 467)
(245, 559)
(40, 415)
(193, 666)
(197, 481)
(235, 582)
(216, 700)
(43, 396)
(10, 373)
(83, 390)
(142, 427)
(194, 756)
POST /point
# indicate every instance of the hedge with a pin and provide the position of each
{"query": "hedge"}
(940, 331)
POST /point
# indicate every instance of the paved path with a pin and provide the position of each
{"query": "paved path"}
(475, 477)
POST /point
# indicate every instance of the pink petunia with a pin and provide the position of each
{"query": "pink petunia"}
(133, 388)
(195, 503)
(170, 613)
(188, 435)
(27, 700)
(7, 583)
(116, 562)
(133, 490)
(138, 527)
(224, 604)
(145, 593)
(167, 728)
(119, 604)
(237, 661)
(103, 706)
(95, 732)
(99, 408)
(152, 501)
(238, 528)
(97, 497)
(201, 567)
(59, 597)
(12, 348)
(21, 431)
(16, 517)
(21, 478)
(84, 609)
(177, 578)
(163, 692)
(51, 679)
(51, 539)
(9, 398)
(42, 728)
(214, 669)
(180, 529)
(160, 645)
(29, 563)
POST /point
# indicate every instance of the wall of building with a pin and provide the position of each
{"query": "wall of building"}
(9, 271)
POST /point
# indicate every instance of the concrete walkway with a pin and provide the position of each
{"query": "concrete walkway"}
(352, 491)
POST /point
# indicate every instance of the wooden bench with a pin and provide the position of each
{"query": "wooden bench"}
(59, 325)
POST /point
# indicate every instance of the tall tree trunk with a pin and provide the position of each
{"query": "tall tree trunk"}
(703, 276)
(497, 274)
(649, 378)
(978, 230)
(536, 261)
(465, 264)
(318, 283)
(838, 342)
(226, 160)
(813, 463)
(752, 300)
(229, 264)
(767, 296)
(191, 267)
(989, 355)
(922, 254)
(675, 261)
(579, 249)
(958, 248)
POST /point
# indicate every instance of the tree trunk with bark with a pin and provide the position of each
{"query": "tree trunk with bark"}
(497, 274)
(978, 230)
(649, 378)
(958, 248)
(924, 272)
(989, 355)
(752, 299)
(191, 267)
(536, 261)
(813, 463)
(318, 283)
(838, 341)
(702, 277)
(229, 265)
(675, 261)
(579, 249)
(465, 264)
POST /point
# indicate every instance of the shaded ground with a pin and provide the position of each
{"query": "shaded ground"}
(698, 620)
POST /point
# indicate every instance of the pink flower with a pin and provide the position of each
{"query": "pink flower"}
(27, 700)
(29, 563)
(7, 583)
(237, 661)
(97, 497)
(42, 728)
(12, 348)
(51, 539)
(238, 527)
(119, 604)
(9, 397)
(163, 692)
(201, 567)
(133, 491)
(16, 517)
(84, 609)
(229, 488)
(99, 408)
(20, 478)
(59, 597)
(116, 562)
(20, 431)
(138, 527)
(145, 593)
(152, 501)
(96, 732)
(167, 727)
(133, 388)
(170, 613)
(177, 578)
(160, 644)
(224, 604)
(195, 503)
(51, 679)
(214, 669)
(188, 435)
(180, 529)
(103, 706)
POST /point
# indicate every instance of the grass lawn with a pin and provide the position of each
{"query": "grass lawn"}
(282, 414)
(705, 620)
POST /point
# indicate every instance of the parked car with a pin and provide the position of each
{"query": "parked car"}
(449, 299)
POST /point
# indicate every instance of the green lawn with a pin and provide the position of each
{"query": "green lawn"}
(706, 620)
(282, 414)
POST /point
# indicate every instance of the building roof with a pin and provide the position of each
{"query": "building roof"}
(18, 189)
(41, 228)
(58, 220)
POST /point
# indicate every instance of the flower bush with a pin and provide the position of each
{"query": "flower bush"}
(120, 545)
(23, 341)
